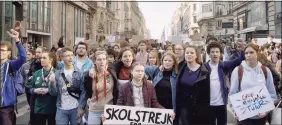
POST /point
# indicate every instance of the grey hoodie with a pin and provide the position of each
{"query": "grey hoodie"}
(249, 76)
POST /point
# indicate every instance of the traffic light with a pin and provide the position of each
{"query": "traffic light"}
(19, 10)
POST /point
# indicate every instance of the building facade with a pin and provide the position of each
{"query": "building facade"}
(190, 24)
(257, 19)
(216, 19)
(45, 22)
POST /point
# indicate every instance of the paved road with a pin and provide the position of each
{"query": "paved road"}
(23, 112)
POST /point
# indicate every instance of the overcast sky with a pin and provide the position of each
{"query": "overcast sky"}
(157, 15)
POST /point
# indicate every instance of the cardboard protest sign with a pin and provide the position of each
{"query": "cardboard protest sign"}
(125, 115)
(111, 39)
(175, 39)
(251, 102)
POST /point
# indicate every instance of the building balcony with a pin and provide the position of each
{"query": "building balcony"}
(110, 12)
(92, 4)
(240, 4)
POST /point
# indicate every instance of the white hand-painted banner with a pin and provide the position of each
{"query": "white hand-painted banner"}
(251, 102)
(125, 115)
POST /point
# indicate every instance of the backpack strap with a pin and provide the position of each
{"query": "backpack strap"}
(240, 74)
(241, 70)
(68, 86)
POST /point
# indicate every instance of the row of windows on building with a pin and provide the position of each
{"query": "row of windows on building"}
(39, 18)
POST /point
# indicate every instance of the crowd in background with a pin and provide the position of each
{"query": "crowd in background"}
(68, 85)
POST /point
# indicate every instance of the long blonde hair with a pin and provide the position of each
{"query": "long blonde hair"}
(171, 54)
(155, 54)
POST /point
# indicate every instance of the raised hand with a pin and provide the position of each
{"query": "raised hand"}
(92, 73)
(14, 34)
(52, 77)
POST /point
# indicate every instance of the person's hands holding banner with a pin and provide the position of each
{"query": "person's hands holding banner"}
(173, 116)
(103, 118)
(235, 116)
(262, 115)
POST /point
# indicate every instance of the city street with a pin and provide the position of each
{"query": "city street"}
(86, 51)
(23, 112)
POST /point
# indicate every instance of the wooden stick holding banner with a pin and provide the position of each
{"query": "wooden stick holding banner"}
(251, 102)
(126, 115)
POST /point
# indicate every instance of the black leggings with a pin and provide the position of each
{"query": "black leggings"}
(218, 115)
(42, 119)
(187, 116)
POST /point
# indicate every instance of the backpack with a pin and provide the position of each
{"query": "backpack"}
(241, 70)
(17, 80)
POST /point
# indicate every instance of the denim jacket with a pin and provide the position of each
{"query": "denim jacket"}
(56, 89)
(88, 64)
(149, 70)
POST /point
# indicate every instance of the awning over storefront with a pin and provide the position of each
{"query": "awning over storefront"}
(251, 29)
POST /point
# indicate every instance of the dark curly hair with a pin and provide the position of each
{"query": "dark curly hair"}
(112, 52)
(211, 38)
(214, 45)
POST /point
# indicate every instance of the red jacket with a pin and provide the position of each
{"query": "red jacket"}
(125, 97)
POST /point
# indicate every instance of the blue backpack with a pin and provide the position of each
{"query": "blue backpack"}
(17, 80)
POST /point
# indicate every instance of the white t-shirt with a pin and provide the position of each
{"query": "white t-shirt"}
(215, 87)
(79, 64)
(68, 102)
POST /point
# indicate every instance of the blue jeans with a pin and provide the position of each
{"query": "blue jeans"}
(64, 117)
(94, 118)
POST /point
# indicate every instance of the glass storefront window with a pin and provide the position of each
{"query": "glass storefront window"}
(1, 16)
(278, 7)
(8, 19)
(47, 6)
(34, 11)
(278, 13)
(278, 30)
(63, 17)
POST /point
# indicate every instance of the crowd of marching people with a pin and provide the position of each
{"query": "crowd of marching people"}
(66, 85)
